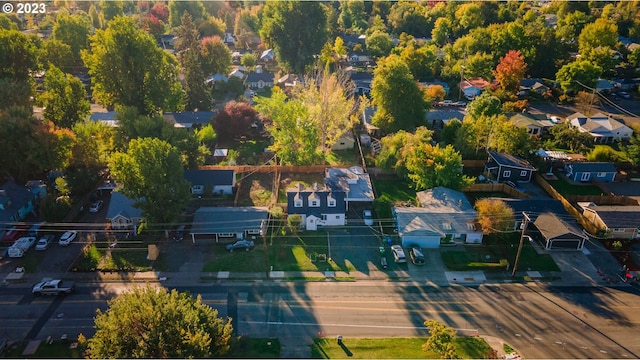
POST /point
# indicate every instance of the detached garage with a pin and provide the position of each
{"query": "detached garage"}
(558, 234)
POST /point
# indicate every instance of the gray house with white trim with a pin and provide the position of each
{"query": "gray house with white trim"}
(503, 167)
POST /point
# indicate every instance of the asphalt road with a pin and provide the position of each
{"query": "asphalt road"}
(541, 322)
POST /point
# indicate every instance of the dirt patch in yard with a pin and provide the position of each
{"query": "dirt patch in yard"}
(288, 180)
(256, 190)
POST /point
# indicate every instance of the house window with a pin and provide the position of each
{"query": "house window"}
(324, 217)
(618, 230)
(601, 174)
(446, 226)
(226, 235)
(471, 226)
(506, 173)
(523, 173)
(297, 203)
(331, 203)
(314, 203)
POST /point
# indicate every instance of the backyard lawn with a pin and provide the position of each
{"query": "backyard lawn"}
(389, 192)
(497, 251)
(564, 187)
(393, 348)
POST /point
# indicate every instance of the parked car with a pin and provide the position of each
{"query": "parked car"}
(96, 206)
(368, 218)
(21, 246)
(416, 255)
(53, 287)
(67, 238)
(13, 234)
(241, 244)
(625, 95)
(178, 235)
(44, 242)
(398, 254)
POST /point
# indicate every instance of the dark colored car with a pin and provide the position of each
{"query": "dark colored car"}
(240, 245)
(178, 235)
(416, 255)
(13, 234)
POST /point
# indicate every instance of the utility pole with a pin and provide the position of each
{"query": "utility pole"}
(524, 228)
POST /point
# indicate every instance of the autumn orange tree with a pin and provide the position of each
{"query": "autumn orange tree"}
(494, 215)
(510, 71)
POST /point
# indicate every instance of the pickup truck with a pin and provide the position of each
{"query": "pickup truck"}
(53, 287)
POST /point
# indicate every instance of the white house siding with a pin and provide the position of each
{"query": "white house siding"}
(312, 222)
(431, 242)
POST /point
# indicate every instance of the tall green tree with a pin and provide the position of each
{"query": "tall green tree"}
(64, 99)
(18, 56)
(328, 100)
(151, 173)
(31, 146)
(484, 105)
(409, 17)
(193, 8)
(379, 44)
(73, 30)
(295, 135)
(601, 33)
(430, 166)
(572, 75)
(296, 30)
(94, 144)
(632, 150)
(397, 97)
(188, 46)
(152, 322)
(129, 69)
(395, 148)
(215, 56)
(57, 53)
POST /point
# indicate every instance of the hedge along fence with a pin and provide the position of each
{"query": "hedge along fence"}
(586, 224)
(497, 188)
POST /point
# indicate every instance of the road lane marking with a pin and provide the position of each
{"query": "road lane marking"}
(336, 325)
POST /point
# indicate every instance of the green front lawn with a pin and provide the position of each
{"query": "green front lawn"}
(305, 251)
(393, 348)
(343, 157)
(497, 251)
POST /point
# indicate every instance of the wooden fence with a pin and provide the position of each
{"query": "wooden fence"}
(581, 219)
(497, 188)
(273, 168)
(603, 199)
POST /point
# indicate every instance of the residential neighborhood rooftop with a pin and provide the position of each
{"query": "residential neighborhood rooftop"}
(215, 220)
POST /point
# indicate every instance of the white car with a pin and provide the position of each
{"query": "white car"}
(398, 254)
(67, 238)
(44, 242)
(368, 218)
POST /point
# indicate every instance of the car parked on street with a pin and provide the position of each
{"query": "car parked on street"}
(416, 255)
(96, 206)
(13, 234)
(44, 242)
(53, 287)
(241, 244)
(368, 218)
(625, 95)
(67, 238)
(398, 254)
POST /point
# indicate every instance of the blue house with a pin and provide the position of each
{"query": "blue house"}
(317, 206)
(588, 171)
(16, 202)
(506, 167)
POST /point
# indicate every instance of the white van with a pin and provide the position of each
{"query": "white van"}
(20, 247)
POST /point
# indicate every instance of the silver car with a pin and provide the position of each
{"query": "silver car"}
(44, 242)
(67, 238)
(398, 254)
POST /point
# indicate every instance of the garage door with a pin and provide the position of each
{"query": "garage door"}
(422, 241)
